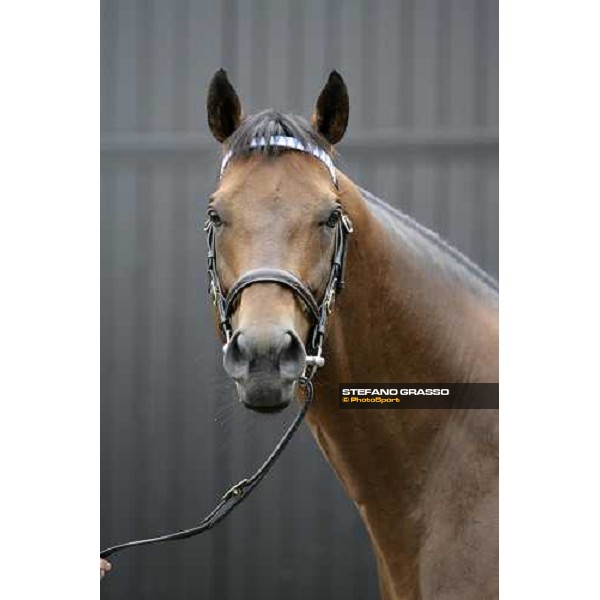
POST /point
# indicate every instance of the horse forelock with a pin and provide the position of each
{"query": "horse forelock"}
(268, 124)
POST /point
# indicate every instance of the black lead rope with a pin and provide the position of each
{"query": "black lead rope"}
(319, 313)
(235, 495)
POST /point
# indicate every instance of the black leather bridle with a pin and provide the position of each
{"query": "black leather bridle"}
(225, 305)
(317, 311)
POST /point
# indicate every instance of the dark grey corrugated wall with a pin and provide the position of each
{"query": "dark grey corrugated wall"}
(423, 81)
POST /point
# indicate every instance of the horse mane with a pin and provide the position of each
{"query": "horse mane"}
(269, 123)
(440, 253)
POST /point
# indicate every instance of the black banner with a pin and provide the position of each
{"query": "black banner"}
(418, 395)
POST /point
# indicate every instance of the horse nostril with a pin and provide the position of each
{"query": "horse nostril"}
(236, 358)
(241, 345)
(292, 357)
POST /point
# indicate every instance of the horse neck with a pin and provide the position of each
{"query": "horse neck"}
(394, 322)
(403, 316)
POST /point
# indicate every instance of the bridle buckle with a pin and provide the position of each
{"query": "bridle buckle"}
(236, 490)
(213, 292)
(347, 223)
(329, 301)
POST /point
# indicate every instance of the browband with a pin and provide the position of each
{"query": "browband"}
(284, 278)
(293, 144)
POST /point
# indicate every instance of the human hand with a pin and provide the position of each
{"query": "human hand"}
(105, 567)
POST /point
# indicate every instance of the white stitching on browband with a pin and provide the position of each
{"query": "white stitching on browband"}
(291, 143)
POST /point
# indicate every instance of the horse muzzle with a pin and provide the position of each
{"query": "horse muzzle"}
(265, 363)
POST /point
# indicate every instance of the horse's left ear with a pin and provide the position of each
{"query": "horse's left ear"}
(333, 106)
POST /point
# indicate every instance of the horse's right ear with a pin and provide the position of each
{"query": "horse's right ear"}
(330, 118)
(223, 107)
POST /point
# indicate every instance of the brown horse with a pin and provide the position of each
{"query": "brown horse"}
(413, 309)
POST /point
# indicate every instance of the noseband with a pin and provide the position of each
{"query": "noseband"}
(226, 305)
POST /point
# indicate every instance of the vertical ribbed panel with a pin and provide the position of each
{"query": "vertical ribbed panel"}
(173, 437)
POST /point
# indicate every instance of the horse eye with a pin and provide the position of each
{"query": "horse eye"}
(214, 218)
(333, 219)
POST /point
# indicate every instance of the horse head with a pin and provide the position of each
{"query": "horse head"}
(275, 221)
